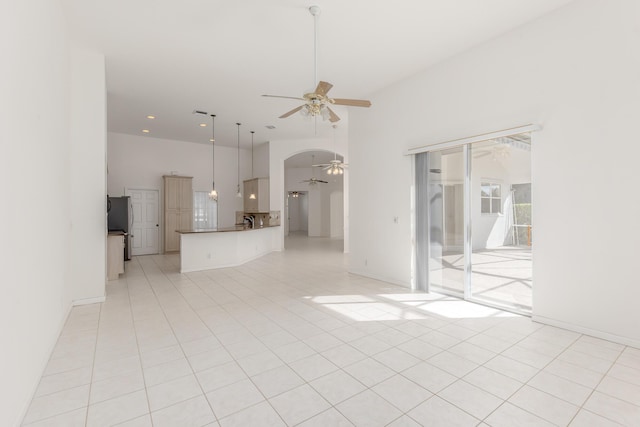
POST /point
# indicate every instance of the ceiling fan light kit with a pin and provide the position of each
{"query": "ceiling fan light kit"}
(317, 103)
(335, 166)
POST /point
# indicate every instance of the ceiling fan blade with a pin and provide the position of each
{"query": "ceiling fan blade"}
(333, 117)
(351, 102)
(286, 97)
(323, 88)
(295, 110)
(324, 182)
(320, 165)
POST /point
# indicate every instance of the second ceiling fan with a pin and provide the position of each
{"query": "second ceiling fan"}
(317, 102)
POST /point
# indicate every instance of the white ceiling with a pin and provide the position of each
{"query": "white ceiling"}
(168, 57)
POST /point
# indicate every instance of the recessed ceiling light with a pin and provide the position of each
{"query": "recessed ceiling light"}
(210, 139)
(145, 130)
(202, 125)
(151, 117)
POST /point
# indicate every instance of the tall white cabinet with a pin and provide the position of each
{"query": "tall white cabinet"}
(178, 209)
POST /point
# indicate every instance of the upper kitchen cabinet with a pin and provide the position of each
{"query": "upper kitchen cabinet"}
(178, 209)
(259, 187)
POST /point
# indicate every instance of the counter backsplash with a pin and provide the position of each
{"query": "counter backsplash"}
(271, 218)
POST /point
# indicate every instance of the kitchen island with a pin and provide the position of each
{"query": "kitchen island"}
(206, 249)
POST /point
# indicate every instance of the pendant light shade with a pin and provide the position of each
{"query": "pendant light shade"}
(238, 193)
(252, 196)
(213, 194)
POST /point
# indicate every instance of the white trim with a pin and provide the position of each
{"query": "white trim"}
(471, 139)
(587, 331)
(86, 301)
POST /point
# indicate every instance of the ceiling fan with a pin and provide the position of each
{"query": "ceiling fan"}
(335, 166)
(313, 180)
(317, 102)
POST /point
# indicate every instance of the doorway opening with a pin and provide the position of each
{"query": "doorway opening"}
(314, 200)
(145, 223)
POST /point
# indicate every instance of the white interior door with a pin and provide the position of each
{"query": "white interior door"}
(145, 227)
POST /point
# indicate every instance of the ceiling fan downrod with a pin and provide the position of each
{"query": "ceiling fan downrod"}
(315, 12)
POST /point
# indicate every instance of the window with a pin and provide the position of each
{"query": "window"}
(490, 199)
(205, 211)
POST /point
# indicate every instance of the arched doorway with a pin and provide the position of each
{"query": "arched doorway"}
(314, 200)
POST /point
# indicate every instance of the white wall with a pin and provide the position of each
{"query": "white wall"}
(40, 82)
(141, 161)
(88, 146)
(575, 72)
(336, 213)
(260, 161)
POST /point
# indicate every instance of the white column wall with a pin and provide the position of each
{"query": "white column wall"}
(140, 161)
(46, 223)
(575, 72)
(88, 145)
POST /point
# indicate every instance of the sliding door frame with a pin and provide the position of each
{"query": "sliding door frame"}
(427, 150)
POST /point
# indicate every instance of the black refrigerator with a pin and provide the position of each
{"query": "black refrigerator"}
(119, 218)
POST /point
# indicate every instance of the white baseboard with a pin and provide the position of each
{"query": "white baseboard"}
(380, 278)
(86, 301)
(43, 366)
(587, 331)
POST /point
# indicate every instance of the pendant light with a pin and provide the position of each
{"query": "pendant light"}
(238, 193)
(213, 195)
(252, 196)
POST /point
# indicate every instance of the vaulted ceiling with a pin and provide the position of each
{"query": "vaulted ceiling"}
(166, 58)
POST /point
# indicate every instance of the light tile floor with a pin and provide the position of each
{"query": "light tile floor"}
(293, 339)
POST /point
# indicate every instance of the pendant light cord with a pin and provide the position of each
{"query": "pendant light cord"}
(213, 153)
(252, 132)
(238, 157)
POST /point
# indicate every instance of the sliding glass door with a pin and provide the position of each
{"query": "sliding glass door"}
(473, 222)
(501, 222)
(445, 194)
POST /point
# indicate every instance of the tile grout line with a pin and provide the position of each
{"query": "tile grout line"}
(177, 340)
(135, 332)
(221, 344)
(594, 389)
(93, 364)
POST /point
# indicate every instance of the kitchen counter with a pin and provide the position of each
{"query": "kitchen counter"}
(207, 249)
